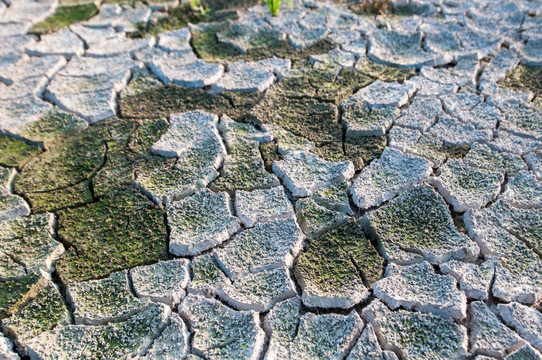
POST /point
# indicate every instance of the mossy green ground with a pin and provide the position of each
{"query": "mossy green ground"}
(340, 256)
(526, 78)
(16, 153)
(64, 170)
(305, 105)
(52, 127)
(13, 292)
(206, 46)
(43, 312)
(85, 175)
(160, 102)
(116, 233)
(64, 16)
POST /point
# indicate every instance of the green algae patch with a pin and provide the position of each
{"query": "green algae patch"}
(269, 152)
(116, 233)
(69, 162)
(416, 226)
(383, 72)
(65, 166)
(160, 102)
(78, 194)
(97, 162)
(205, 43)
(525, 78)
(126, 152)
(55, 124)
(305, 105)
(305, 117)
(364, 150)
(14, 291)
(43, 312)
(315, 219)
(244, 176)
(117, 173)
(64, 16)
(336, 265)
(15, 152)
(335, 88)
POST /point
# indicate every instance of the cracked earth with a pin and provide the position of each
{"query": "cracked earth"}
(324, 184)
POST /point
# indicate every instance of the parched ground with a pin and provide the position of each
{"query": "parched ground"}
(184, 182)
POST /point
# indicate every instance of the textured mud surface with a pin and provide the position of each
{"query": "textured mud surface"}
(184, 182)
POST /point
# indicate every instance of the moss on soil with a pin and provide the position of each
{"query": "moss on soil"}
(364, 150)
(64, 16)
(244, 176)
(14, 152)
(270, 154)
(160, 102)
(13, 291)
(337, 258)
(116, 233)
(525, 78)
(406, 221)
(206, 45)
(46, 310)
(62, 169)
(53, 126)
(75, 195)
(383, 72)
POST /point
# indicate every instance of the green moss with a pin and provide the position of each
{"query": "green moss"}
(383, 72)
(46, 310)
(242, 104)
(336, 259)
(116, 233)
(331, 151)
(78, 194)
(100, 161)
(525, 78)
(305, 117)
(206, 45)
(364, 150)
(269, 154)
(56, 123)
(68, 163)
(418, 220)
(332, 88)
(117, 174)
(160, 102)
(14, 152)
(315, 219)
(14, 291)
(304, 105)
(59, 177)
(64, 16)
(206, 275)
(244, 176)
(147, 134)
